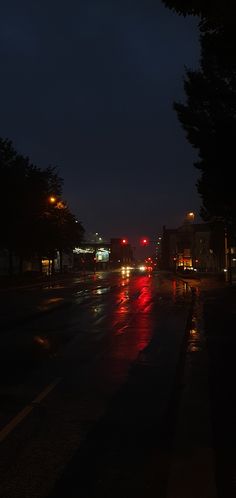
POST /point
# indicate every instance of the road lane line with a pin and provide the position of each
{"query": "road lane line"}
(26, 411)
(14, 422)
(46, 391)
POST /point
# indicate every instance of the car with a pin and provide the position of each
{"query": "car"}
(186, 271)
(143, 269)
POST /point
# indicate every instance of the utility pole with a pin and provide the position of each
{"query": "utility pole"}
(228, 272)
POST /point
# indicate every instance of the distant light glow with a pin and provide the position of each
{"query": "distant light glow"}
(144, 241)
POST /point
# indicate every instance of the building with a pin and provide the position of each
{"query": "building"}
(194, 245)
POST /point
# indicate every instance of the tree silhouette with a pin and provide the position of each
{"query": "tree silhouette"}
(209, 114)
(30, 224)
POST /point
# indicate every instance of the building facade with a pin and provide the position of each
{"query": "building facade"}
(194, 245)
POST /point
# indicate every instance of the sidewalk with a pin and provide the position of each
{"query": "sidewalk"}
(220, 332)
(218, 302)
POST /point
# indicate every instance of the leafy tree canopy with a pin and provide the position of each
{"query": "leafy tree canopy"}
(212, 13)
(29, 222)
(209, 114)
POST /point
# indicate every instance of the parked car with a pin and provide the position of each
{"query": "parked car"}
(187, 271)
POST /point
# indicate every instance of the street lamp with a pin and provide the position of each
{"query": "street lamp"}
(58, 210)
(190, 216)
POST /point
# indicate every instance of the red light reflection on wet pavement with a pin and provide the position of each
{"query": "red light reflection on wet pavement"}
(132, 323)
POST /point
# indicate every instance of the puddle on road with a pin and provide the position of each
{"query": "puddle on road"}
(42, 342)
(97, 310)
(195, 338)
(180, 290)
(49, 302)
(101, 290)
(96, 291)
(81, 292)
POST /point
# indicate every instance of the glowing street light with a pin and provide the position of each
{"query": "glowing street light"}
(190, 216)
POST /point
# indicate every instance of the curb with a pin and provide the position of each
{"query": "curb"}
(192, 470)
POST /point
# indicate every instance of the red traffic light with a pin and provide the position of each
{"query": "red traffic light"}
(144, 241)
(124, 241)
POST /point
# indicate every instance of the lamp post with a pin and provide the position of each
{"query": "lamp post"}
(228, 256)
(60, 206)
(51, 200)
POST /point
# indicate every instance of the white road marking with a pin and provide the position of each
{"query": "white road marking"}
(25, 412)
(47, 390)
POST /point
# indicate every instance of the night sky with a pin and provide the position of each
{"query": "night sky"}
(88, 86)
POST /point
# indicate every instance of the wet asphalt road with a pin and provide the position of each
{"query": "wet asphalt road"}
(87, 404)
